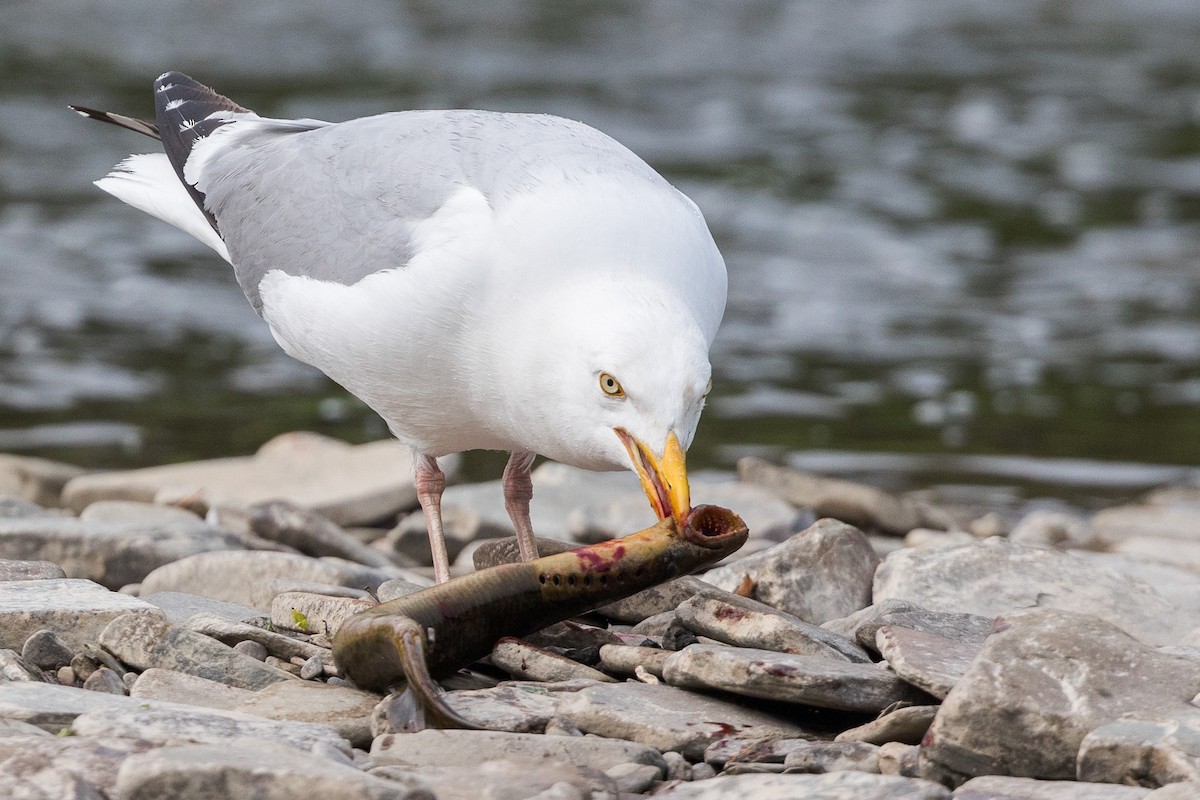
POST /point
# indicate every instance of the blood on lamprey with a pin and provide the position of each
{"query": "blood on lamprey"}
(433, 632)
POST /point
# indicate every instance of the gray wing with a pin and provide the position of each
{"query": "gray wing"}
(340, 202)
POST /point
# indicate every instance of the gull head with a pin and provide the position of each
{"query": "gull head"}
(622, 376)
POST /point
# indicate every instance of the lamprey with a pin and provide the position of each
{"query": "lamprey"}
(433, 632)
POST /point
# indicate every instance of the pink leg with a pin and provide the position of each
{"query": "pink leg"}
(518, 491)
(431, 482)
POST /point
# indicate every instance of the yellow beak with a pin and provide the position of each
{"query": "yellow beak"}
(664, 480)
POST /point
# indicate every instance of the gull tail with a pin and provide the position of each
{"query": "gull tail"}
(185, 113)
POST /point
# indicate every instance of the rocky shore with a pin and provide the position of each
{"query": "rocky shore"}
(164, 633)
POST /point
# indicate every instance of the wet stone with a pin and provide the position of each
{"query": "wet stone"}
(907, 725)
(1043, 681)
(820, 574)
(808, 680)
(926, 660)
(747, 623)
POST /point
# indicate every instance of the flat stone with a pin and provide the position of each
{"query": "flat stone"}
(461, 526)
(993, 577)
(182, 725)
(112, 552)
(897, 758)
(65, 766)
(809, 680)
(926, 660)
(524, 661)
(1176, 552)
(740, 621)
(315, 613)
(277, 644)
(1043, 681)
(665, 717)
(257, 769)
(505, 550)
(311, 533)
(853, 503)
(1059, 529)
(820, 574)
(16, 570)
(1176, 791)
(37, 480)
(764, 513)
(179, 607)
(513, 706)
(655, 600)
(818, 757)
(833, 786)
(13, 667)
(348, 711)
(633, 778)
(1180, 587)
(398, 587)
(998, 787)
(625, 659)
(907, 725)
(507, 781)
(242, 577)
(1163, 520)
(1147, 752)
(179, 687)
(143, 642)
(465, 749)
(349, 484)
(76, 610)
(966, 629)
(47, 650)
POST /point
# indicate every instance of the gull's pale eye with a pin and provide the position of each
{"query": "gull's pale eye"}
(610, 385)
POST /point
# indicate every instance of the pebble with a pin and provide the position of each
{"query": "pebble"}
(253, 649)
(47, 650)
(822, 573)
(105, 680)
(808, 680)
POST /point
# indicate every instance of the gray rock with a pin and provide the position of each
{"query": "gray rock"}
(926, 660)
(665, 717)
(105, 680)
(315, 613)
(277, 644)
(820, 757)
(957, 627)
(113, 552)
(1148, 752)
(997, 787)
(182, 725)
(397, 587)
(349, 484)
(311, 669)
(740, 621)
(623, 659)
(311, 533)
(265, 770)
(144, 642)
(253, 649)
(77, 610)
(65, 766)
(16, 507)
(1061, 529)
(66, 675)
(1042, 682)
(179, 607)
(897, 758)
(994, 576)
(1180, 587)
(820, 574)
(524, 661)
(1176, 791)
(504, 550)
(179, 687)
(511, 706)
(634, 778)
(243, 577)
(809, 680)
(348, 711)
(15, 570)
(832, 786)
(853, 503)
(1160, 549)
(461, 526)
(15, 668)
(507, 780)
(37, 480)
(47, 650)
(454, 748)
(906, 725)
(655, 600)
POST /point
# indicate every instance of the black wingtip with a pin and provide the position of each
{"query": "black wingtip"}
(128, 123)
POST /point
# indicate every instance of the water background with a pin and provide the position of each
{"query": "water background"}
(962, 235)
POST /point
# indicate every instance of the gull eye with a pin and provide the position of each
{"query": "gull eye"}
(610, 385)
